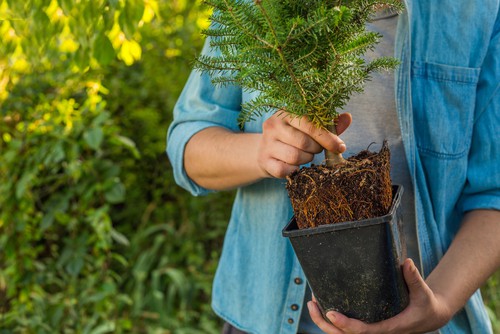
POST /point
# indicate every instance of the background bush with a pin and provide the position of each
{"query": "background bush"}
(95, 237)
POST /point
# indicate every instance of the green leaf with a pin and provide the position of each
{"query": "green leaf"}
(74, 266)
(107, 327)
(177, 276)
(18, 8)
(81, 58)
(130, 17)
(94, 137)
(56, 154)
(24, 183)
(40, 30)
(113, 3)
(119, 258)
(116, 194)
(130, 144)
(119, 238)
(104, 52)
(101, 118)
(9, 157)
(66, 6)
(47, 221)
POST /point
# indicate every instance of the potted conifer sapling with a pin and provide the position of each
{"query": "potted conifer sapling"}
(306, 57)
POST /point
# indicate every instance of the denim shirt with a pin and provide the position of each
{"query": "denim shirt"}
(448, 103)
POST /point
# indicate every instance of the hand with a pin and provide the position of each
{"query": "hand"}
(425, 312)
(288, 142)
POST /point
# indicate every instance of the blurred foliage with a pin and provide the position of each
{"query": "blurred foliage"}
(95, 237)
(491, 294)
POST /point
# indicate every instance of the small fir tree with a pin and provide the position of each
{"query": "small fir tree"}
(302, 56)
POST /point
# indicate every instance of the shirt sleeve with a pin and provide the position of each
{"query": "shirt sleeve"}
(201, 105)
(482, 190)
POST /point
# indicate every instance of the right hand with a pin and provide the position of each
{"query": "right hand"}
(427, 311)
(289, 142)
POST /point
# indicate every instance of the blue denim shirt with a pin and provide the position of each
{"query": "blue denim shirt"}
(448, 102)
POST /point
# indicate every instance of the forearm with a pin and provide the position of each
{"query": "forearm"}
(219, 159)
(473, 256)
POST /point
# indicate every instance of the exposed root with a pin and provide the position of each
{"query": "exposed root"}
(357, 189)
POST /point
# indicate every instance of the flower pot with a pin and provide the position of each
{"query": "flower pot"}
(355, 268)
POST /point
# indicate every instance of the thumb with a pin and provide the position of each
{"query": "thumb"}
(412, 277)
(343, 122)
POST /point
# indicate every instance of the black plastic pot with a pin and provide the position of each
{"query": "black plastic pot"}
(355, 268)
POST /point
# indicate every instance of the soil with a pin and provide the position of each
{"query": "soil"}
(359, 188)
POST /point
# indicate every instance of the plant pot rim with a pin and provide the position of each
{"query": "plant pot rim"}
(291, 231)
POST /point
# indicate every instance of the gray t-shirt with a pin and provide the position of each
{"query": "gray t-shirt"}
(375, 120)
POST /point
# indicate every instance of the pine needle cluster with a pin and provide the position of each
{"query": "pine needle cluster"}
(305, 56)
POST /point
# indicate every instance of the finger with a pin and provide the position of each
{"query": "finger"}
(343, 122)
(323, 137)
(281, 129)
(318, 319)
(301, 140)
(290, 154)
(414, 280)
(279, 169)
(346, 324)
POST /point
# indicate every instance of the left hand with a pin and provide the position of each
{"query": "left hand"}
(426, 312)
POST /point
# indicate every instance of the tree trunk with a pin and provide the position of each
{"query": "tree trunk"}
(331, 159)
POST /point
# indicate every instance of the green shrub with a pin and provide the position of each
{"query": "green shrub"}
(59, 183)
(95, 236)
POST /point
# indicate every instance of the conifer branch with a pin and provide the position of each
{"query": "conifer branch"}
(305, 31)
(279, 49)
(243, 29)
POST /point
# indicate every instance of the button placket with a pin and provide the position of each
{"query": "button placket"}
(295, 296)
(295, 307)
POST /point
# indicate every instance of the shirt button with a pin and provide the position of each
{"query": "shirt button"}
(294, 307)
(290, 321)
(297, 280)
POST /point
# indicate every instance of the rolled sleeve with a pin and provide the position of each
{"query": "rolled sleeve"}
(201, 105)
(482, 190)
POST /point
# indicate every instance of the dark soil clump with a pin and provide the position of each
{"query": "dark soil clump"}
(359, 188)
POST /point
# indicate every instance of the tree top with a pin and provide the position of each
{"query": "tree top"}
(303, 56)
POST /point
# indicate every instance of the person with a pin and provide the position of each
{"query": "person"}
(442, 118)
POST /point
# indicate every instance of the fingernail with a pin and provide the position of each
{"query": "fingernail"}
(331, 316)
(411, 264)
(342, 147)
(309, 306)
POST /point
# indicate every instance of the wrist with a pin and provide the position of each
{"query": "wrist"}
(444, 311)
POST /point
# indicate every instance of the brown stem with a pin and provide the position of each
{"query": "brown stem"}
(332, 158)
